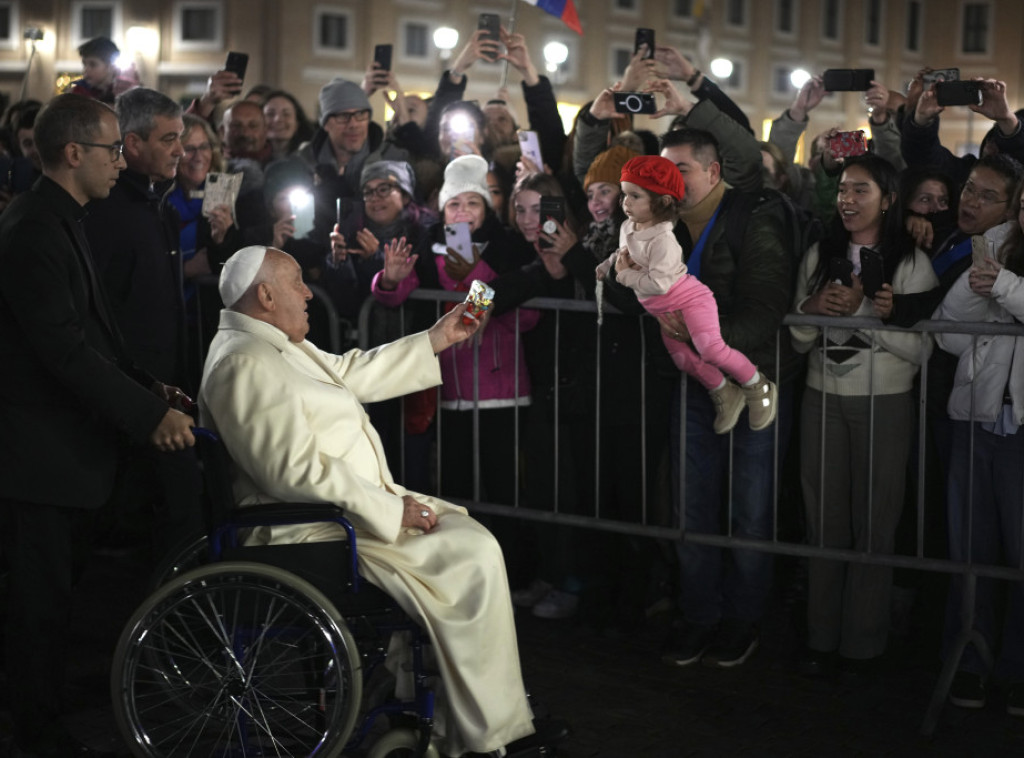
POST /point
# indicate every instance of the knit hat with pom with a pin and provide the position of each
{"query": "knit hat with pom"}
(654, 173)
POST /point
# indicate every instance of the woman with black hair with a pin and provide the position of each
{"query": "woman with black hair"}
(928, 197)
(287, 124)
(856, 420)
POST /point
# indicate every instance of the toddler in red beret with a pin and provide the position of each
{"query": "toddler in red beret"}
(650, 261)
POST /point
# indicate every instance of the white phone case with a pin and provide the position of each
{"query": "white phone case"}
(457, 236)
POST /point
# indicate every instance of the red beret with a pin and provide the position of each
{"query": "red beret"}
(654, 173)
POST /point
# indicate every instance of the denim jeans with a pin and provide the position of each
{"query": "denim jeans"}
(718, 583)
(993, 521)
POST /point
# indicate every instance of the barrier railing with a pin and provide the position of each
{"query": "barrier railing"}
(644, 526)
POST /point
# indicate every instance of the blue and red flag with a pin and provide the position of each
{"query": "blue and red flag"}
(563, 9)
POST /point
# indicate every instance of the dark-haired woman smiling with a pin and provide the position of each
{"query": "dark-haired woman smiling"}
(856, 419)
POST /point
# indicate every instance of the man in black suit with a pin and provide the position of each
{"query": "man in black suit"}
(68, 392)
(134, 238)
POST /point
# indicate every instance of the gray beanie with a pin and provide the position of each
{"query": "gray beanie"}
(467, 173)
(398, 172)
(341, 95)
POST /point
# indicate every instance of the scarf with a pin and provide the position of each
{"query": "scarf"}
(697, 217)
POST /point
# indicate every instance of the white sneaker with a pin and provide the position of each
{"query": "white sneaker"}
(531, 595)
(557, 605)
(762, 400)
(729, 402)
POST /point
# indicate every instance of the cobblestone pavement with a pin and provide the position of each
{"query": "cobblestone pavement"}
(622, 702)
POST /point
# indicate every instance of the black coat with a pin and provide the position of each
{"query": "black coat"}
(67, 387)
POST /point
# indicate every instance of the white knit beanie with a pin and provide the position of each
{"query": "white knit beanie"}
(467, 173)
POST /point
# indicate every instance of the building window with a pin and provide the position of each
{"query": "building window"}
(781, 82)
(873, 23)
(198, 25)
(914, 26)
(626, 5)
(975, 28)
(9, 27)
(830, 16)
(682, 8)
(736, 13)
(620, 58)
(735, 80)
(785, 16)
(415, 39)
(332, 31)
(93, 19)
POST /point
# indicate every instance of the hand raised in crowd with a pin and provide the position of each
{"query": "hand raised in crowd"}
(915, 89)
(673, 324)
(284, 230)
(982, 278)
(413, 514)
(883, 302)
(603, 106)
(828, 160)
(807, 98)
(375, 78)
(623, 261)
(395, 97)
(674, 65)
(457, 267)
(398, 264)
(221, 220)
(877, 100)
(675, 104)
(995, 106)
(639, 73)
(477, 48)
(368, 244)
(339, 248)
(222, 86)
(518, 55)
(927, 109)
(526, 167)
(921, 230)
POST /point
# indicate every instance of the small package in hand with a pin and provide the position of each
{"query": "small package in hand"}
(478, 301)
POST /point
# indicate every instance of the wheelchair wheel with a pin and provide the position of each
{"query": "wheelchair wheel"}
(400, 743)
(236, 659)
(187, 555)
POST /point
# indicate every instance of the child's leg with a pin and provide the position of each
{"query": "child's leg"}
(701, 314)
(689, 361)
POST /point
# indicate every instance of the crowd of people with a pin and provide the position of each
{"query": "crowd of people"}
(715, 234)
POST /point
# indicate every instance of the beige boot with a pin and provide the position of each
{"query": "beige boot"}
(762, 399)
(728, 401)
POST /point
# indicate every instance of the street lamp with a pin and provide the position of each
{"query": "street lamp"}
(721, 68)
(799, 77)
(555, 54)
(445, 40)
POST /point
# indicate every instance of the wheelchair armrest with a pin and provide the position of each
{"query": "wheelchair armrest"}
(276, 514)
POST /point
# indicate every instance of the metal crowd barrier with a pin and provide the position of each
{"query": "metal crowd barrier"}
(970, 571)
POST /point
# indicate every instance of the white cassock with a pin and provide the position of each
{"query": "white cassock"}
(291, 416)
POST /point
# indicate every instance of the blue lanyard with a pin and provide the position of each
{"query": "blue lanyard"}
(693, 263)
(940, 263)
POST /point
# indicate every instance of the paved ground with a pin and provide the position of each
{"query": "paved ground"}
(622, 701)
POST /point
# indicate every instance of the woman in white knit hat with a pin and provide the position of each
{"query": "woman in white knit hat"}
(503, 383)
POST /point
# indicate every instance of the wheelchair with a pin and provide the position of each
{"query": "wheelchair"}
(267, 650)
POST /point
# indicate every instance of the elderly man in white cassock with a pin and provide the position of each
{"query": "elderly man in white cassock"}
(292, 419)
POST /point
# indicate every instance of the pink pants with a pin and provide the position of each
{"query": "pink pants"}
(697, 303)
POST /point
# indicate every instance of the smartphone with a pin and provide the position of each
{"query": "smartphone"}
(552, 208)
(958, 93)
(847, 144)
(940, 75)
(529, 146)
(848, 79)
(491, 23)
(301, 202)
(236, 63)
(644, 37)
(872, 271)
(382, 56)
(981, 248)
(840, 271)
(634, 102)
(458, 238)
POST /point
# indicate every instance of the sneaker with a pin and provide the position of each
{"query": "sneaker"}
(1015, 699)
(557, 605)
(762, 400)
(531, 595)
(968, 690)
(686, 644)
(735, 642)
(728, 401)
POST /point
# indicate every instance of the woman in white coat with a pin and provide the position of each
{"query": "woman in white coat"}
(986, 476)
